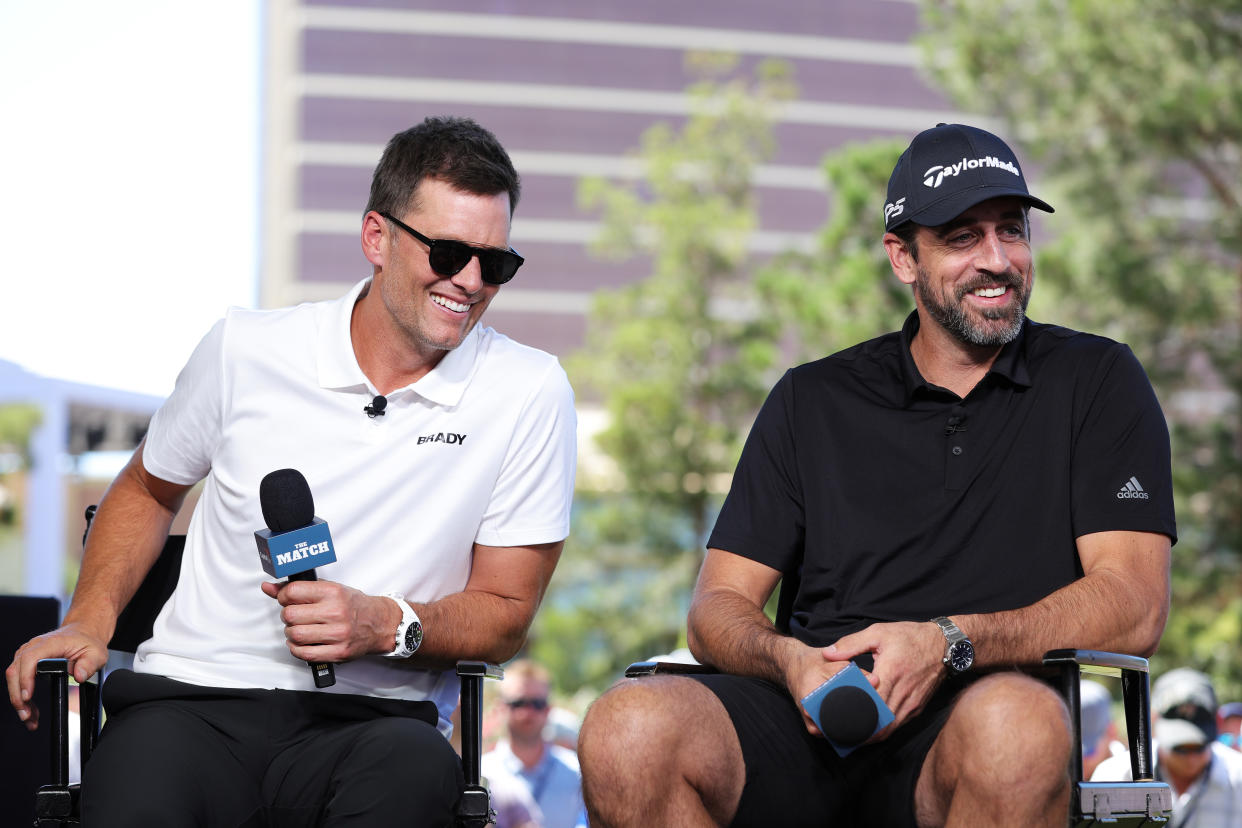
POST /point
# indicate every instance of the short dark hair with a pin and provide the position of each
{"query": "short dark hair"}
(455, 150)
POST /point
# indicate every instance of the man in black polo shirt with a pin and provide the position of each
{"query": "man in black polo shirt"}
(975, 477)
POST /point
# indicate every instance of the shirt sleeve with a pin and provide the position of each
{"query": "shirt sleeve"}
(531, 500)
(1122, 473)
(185, 430)
(762, 516)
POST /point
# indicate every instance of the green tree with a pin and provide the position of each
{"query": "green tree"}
(843, 290)
(1132, 113)
(17, 422)
(679, 360)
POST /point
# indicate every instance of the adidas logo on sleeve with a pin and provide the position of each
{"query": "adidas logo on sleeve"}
(1133, 490)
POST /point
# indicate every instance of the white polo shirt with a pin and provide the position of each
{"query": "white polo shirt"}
(481, 449)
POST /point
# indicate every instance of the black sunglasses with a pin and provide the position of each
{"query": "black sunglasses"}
(533, 704)
(447, 257)
(1189, 750)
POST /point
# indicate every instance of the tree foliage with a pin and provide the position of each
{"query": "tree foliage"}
(843, 290)
(1132, 114)
(680, 361)
(1128, 115)
(17, 423)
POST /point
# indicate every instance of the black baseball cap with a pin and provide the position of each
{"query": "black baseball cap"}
(1184, 702)
(948, 169)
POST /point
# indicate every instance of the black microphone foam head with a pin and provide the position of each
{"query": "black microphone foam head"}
(379, 403)
(286, 500)
(848, 715)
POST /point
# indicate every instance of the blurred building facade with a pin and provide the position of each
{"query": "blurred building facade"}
(568, 86)
(74, 419)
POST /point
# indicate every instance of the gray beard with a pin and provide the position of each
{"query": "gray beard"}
(955, 319)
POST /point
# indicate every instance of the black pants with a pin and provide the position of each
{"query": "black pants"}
(183, 755)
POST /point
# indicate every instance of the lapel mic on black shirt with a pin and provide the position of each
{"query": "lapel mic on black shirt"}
(295, 541)
(954, 424)
(377, 406)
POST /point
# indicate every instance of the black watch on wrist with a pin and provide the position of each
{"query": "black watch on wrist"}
(959, 653)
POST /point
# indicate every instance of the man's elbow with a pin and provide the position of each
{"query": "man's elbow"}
(1148, 633)
(507, 642)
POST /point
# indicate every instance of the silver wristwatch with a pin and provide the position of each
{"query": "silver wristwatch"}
(409, 632)
(959, 653)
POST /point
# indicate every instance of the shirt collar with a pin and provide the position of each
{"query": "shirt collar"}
(1010, 364)
(338, 367)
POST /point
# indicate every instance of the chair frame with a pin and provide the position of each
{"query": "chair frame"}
(58, 803)
(1124, 804)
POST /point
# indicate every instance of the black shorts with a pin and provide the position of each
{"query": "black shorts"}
(180, 754)
(794, 778)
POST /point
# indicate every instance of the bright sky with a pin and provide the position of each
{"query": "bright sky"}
(129, 189)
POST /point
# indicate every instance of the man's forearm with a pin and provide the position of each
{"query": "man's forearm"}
(125, 538)
(471, 625)
(730, 633)
(1122, 609)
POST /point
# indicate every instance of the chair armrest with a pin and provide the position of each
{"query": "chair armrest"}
(57, 719)
(474, 808)
(640, 669)
(1135, 694)
(58, 800)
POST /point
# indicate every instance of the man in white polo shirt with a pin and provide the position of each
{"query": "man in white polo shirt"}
(448, 501)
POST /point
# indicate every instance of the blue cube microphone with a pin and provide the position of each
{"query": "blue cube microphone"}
(295, 541)
(847, 710)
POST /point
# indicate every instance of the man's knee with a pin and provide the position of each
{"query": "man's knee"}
(1003, 754)
(405, 763)
(634, 723)
(1015, 726)
(666, 742)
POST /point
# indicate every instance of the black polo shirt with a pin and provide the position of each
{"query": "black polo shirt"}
(901, 501)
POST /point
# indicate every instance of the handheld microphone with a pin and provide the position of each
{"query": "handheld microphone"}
(377, 406)
(847, 710)
(295, 541)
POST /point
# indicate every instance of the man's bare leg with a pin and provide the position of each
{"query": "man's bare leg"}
(660, 751)
(1001, 759)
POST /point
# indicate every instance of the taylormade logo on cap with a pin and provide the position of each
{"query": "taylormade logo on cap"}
(948, 169)
(937, 174)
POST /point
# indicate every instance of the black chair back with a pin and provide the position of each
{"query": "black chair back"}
(25, 756)
(133, 625)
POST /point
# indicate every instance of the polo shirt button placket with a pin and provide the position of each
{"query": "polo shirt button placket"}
(955, 431)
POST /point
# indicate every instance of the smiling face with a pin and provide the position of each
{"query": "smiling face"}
(973, 276)
(430, 313)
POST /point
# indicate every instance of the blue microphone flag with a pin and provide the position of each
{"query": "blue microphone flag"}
(288, 553)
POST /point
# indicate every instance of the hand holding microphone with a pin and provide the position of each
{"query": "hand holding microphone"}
(847, 710)
(295, 541)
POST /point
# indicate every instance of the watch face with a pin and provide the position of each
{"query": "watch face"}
(413, 636)
(961, 656)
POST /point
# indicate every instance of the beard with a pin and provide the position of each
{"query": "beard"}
(988, 327)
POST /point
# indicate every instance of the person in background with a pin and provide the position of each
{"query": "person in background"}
(512, 802)
(1229, 723)
(1099, 731)
(550, 772)
(1206, 776)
